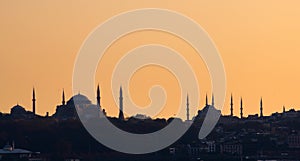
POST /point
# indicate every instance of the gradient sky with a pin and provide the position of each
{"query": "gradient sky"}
(259, 42)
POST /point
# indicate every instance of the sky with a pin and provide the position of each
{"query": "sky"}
(257, 40)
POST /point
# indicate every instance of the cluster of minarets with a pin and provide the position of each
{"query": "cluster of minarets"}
(241, 107)
(121, 114)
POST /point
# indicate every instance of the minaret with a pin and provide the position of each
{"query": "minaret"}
(213, 100)
(187, 108)
(261, 107)
(283, 109)
(33, 101)
(206, 100)
(231, 106)
(121, 115)
(63, 98)
(98, 97)
(241, 108)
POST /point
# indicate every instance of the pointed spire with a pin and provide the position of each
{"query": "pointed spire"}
(283, 109)
(63, 98)
(261, 107)
(121, 115)
(206, 100)
(231, 105)
(187, 108)
(213, 100)
(33, 101)
(241, 108)
(98, 97)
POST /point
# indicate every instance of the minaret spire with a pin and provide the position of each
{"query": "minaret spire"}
(261, 107)
(98, 97)
(206, 100)
(187, 108)
(121, 115)
(241, 108)
(33, 101)
(231, 105)
(213, 100)
(63, 98)
(283, 109)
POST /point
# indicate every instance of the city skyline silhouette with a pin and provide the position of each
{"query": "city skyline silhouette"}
(233, 106)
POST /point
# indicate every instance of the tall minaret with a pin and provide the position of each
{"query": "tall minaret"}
(63, 98)
(121, 115)
(187, 108)
(231, 106)
(283, 109)
(261, 107)
(206, 100)
(33, 101)
(241, 108)
(213, 100)
(98, 97)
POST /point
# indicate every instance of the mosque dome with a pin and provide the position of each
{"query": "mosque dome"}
(17, 109)
(80, 99)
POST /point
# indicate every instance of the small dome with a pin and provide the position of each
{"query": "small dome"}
(17, 109)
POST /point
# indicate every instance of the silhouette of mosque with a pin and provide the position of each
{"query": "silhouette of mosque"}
(81, 105)
(18, 111)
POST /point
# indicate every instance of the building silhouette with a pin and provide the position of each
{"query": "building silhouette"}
(202, 113)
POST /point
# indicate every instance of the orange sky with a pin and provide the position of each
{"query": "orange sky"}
(258, 41)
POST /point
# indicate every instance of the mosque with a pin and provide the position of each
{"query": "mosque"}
(80, 105)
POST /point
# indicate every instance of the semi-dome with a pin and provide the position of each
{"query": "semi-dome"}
(17, 109)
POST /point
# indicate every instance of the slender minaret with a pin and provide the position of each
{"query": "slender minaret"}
(33, 101)
(241, 108)
(98, 97)
(213, 100)
(206, 100)
(231, 106)
(283, 109)
(261, 108)
(187, 108)
(121, 115)
(63, 98)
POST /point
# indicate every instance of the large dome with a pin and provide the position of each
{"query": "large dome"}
(17, 109)
(80, 99)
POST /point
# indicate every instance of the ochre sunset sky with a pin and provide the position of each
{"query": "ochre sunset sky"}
(259, 42)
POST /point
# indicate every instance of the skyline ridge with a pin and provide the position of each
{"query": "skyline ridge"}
(121, 115)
